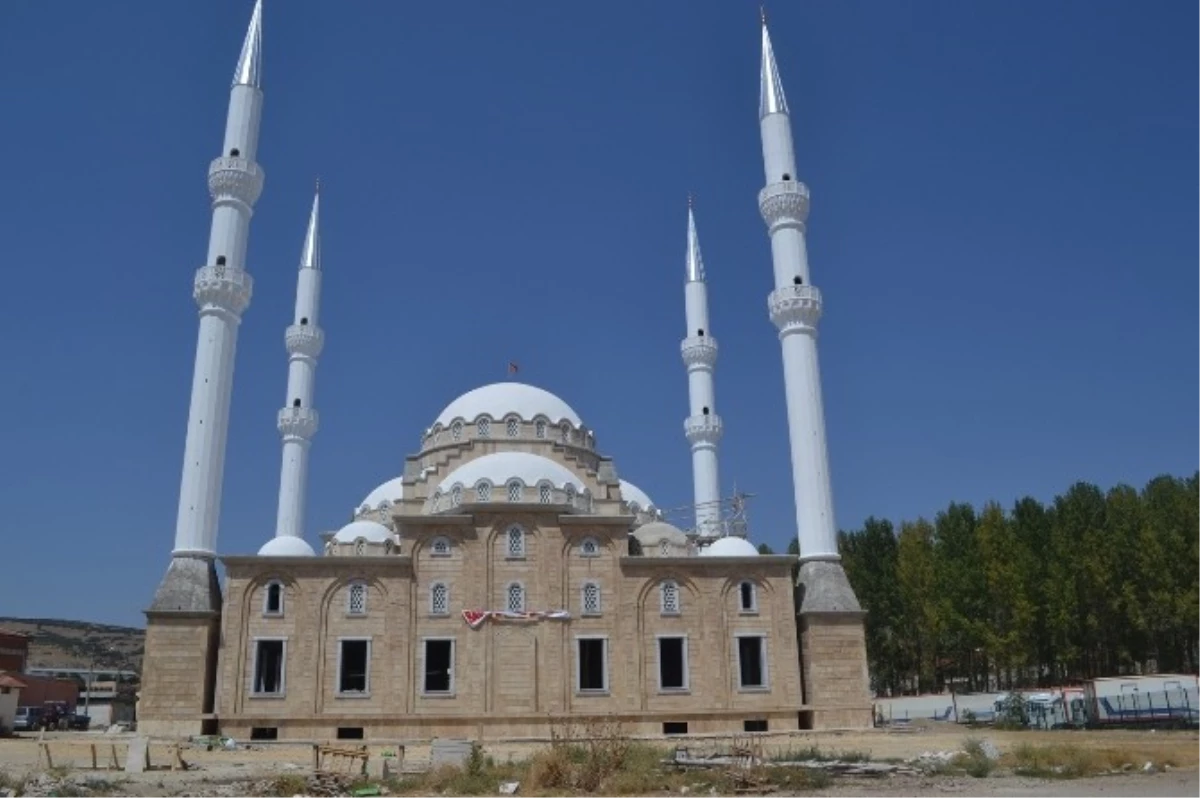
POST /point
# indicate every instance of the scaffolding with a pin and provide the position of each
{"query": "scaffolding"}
(731, 518)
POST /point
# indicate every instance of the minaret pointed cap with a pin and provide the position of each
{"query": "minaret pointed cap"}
(695, 263)
(310, 257)
(249, 66)
(770, 98)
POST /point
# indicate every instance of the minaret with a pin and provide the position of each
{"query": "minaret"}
(830, 619)
(222, 290)
(703, 426)
(298, 420)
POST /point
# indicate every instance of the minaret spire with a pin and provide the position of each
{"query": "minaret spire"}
(298, 420)
(703, 426)
(249, 65)
(770, 93)
(222, 290)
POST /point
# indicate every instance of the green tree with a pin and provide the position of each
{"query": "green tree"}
(921, 624)
(869, 557)
(961, 590)
(1010, 610)
(1031, 524)
(763, 548)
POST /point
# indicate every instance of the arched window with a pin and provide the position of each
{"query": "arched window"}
(664, 548)
(590, 600)
(747, 597)
(587, 500)
(515, 491)
(356, 598)
(440, 547)
(387, 546)
(456, 430)
(456, 496)
(512, 427)
(669, 595)
(436, 501)
(439, 599)
(273, 600)
(483, 427)
(570, 491)
(590, 547)
(515, 597)
(515, 543)
(360, 547)
(539, 428)
(483, 491)
(545, 493)
(565, 432)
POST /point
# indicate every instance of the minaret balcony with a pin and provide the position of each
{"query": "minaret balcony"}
(305, 340)
(223, 288)
(298, 422)
(705, 428)
(237, 180)
(795, 308)
(699, 350)
(784, 204)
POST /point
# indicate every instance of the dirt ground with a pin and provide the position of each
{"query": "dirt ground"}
(19, 758)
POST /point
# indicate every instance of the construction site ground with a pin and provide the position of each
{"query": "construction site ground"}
(1170, 757)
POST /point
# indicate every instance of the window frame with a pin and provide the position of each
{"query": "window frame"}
(423, 672)
(509, 554)
(508, 594)
(591, 691)
(511, 423)
(483, 491)
(539, 429)
(764, 663)
(282, 691)
(662, 598)
(686, 665)
(742, 608)
(350, 586)
(483, 427)
(366, 692)
(514, 485)
(433, 610)
(433, 546)
(267, 612)
(596, 547)
(545, 493)
(583, 608)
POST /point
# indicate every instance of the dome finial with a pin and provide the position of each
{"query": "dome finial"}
(770, 98)
(310, 256)
(695, 263)
(249, 66)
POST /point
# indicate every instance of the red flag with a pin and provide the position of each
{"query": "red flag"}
(512, 368)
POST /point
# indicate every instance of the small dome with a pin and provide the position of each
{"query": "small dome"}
(502, 399)
(730, 547)
(502, 467)
(390, 491)
(632, 494)
(370, 531)
(286, 546)
(657, 531)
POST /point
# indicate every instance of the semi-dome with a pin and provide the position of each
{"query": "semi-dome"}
(730, 547)
(390, 491)
(657, 531)
(370, 531)
(501, 399)
(286, 546)
(501, 468)
(632, 494)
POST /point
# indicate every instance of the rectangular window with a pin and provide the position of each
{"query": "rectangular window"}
(264, 732)
(592, 665)
(439, 666)
(268, 667)
(672, 663)
(354, 666)
(756, 725)
(749, 602)
(752, 662)
(675, 727)
(350, 732)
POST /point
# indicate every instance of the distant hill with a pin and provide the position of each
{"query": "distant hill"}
(73, 644)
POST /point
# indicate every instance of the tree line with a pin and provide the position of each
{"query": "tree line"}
(1092, 584)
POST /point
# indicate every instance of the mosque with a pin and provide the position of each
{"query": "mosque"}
(509, 580)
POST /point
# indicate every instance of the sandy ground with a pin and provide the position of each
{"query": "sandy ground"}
(1180, 749)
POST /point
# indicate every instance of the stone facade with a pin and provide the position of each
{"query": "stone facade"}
(509, 678)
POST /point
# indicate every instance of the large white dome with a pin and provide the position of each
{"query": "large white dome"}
(632, 494)
(502, 467)
(286, 546)
(390, 491)
(370, 531)
(730, 547)
(501, 399)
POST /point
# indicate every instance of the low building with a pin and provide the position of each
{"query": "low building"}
(14, 651)
(10, 699)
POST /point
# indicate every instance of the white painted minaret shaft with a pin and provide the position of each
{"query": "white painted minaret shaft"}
(703, 425)
(222, 290)
(298, 420)
(795, 308)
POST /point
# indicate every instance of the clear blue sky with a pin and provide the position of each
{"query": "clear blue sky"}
(1004, 225)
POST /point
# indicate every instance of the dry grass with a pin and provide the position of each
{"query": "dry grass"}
(1067, 761)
